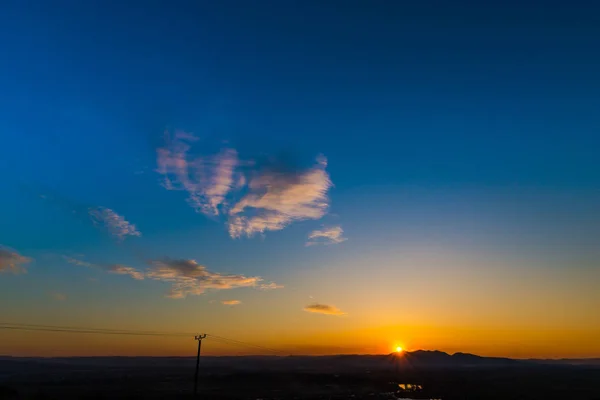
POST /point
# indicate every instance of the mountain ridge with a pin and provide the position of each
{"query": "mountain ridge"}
(406, 359)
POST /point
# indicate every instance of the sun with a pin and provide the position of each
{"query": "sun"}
(398, 349)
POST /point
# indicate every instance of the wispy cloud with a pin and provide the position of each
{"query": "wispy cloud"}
(116, 224)
(323, 309)
(231, 302)
(58, 296)
(331, 235)
(12, 262)
(125, 270)
(100, 217)
(186, 276)
(274, 197)
(270, 286)
(277, 198)
(190, 278)
(207, 180)
(78, 261)
(113, 268)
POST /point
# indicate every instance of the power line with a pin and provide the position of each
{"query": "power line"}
(239, 342)
(31, 328)
(78, 329)
(248, 345)
(105, 331)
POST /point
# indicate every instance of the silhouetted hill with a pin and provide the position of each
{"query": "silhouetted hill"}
(451, 377)
(422, 359)
(406, 360)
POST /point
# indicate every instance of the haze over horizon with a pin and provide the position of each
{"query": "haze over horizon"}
(313, 177)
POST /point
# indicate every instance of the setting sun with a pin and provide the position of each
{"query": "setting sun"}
(398, 349)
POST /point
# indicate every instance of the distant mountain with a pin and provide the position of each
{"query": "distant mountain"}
(439, 359)
(420, 359)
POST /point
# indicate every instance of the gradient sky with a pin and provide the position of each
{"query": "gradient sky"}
(356, 174)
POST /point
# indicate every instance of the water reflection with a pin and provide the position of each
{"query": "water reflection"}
(410, 387)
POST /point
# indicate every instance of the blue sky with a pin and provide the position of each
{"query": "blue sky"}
(463, 130)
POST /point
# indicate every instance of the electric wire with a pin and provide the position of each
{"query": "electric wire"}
(106, 331)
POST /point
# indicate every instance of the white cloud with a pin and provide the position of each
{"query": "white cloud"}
(116, 224)
(274, 197)
(231, 302)
(323, 309)
(270, 286)
(11, 261)
(331, 235)
(125, 270)
(278, 198)
(190, 278)
(207, 180)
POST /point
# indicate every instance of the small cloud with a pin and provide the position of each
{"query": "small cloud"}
(11, 261)
(125, 270)
(116, 224)
(141, 171)
(231, 302)
(58, 296)
(113, 269)
(79, 262)
(323, 309)
(190, 278)
(270, 286)
(331, 235)
(278, 197)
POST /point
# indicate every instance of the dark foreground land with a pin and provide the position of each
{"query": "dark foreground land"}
(299, 378)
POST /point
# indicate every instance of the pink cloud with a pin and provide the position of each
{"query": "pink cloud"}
(207, 180)
(116, 224)
(323, 309)
(190, 278)
(231, 302)
(11, 261)
(278, 198)
(331, 235)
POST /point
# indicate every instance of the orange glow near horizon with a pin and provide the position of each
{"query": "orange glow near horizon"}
(498, 343)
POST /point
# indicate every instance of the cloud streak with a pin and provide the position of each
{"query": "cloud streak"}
(78, 262)
(116, 224)
(331, 235)
(270, 286)
(58, 296)
(323, 309)
(231, 302)
(118, 269)
(187, 277)
(190, 278)
(125, 270)
(276, 198)
(12, 262)
(101, 217)
(207, 180)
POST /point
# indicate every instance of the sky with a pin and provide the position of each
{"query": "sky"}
(318, 177)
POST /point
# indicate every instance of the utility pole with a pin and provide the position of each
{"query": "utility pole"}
(199, 339)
